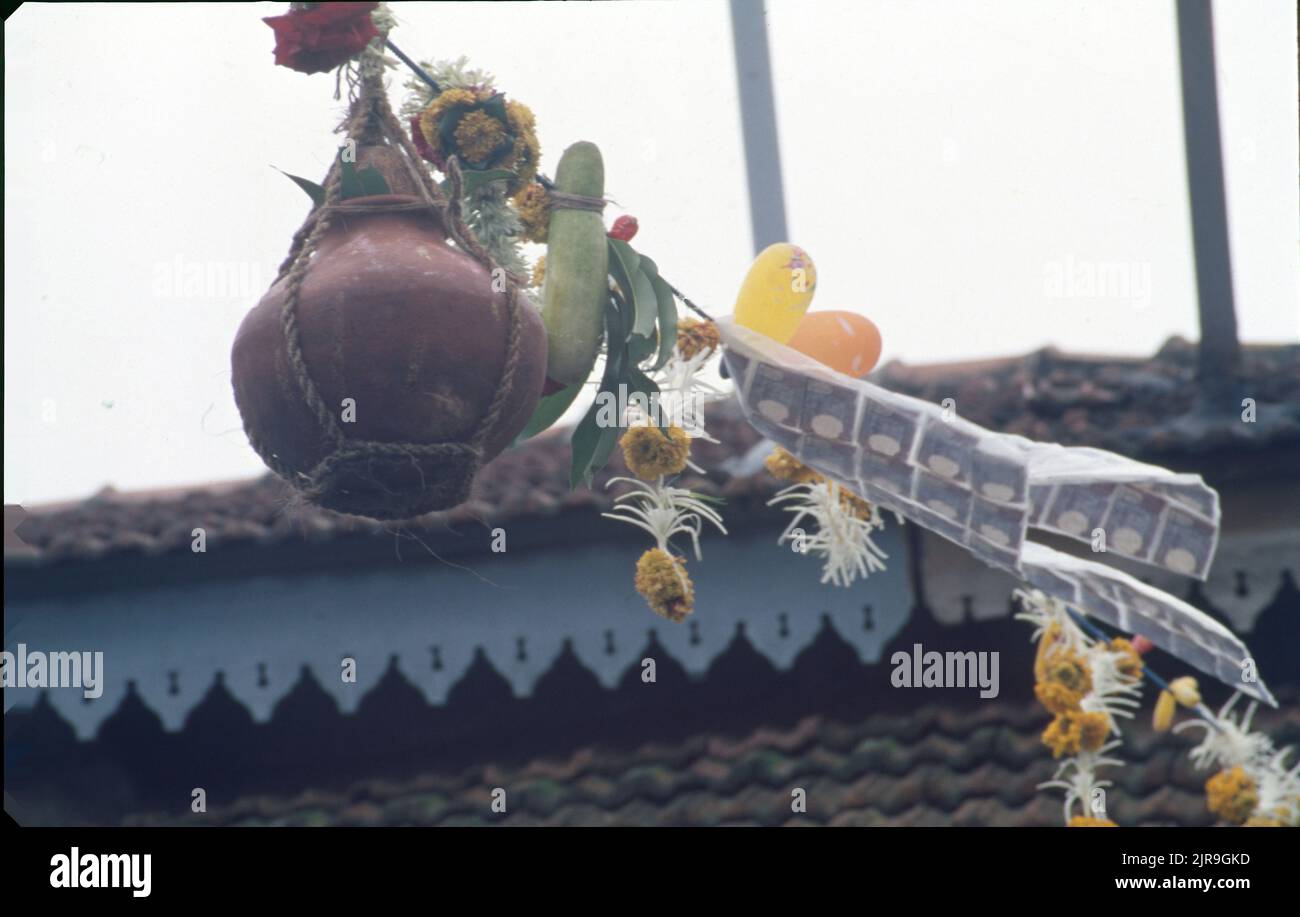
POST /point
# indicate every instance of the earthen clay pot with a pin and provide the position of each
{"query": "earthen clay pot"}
(408, 327)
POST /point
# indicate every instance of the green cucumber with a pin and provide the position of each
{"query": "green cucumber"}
(577, 269)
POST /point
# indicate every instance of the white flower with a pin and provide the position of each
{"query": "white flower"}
(1279, 789)
(664, 511)
(1113, 692)
(1078, 777)
(1228, 741)
(1043, 611)
(841, 538)
(683, 394)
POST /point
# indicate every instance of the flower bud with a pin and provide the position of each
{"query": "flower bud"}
(1186, 691)
(1166, 706)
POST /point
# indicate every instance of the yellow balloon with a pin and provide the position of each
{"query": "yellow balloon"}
(776, 292)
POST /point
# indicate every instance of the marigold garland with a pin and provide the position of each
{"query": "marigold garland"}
(694, 336)
(664, 583)
(1087, 821)
(483, 130)
(1232, 795)
(652, 453)
(533, 204)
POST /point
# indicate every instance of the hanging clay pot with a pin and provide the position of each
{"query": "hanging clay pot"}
(406, 381)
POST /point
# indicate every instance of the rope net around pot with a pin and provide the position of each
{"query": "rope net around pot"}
(447, 469)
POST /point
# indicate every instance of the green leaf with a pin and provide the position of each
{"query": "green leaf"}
(373, 182)
(549, 410)
(589, 441)
(625, 268)
(472, 181)
(314, 191)
(637, 381)
(639, 349)
(647, 304)
(496, 107)
(350, 185)
(667, 321)
(591, 444)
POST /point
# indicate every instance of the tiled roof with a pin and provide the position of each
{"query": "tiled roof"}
(1138, 407)
(961, 765)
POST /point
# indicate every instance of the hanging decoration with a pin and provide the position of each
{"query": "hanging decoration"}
(441, 374)
(985, 490)
(386, 364)
(1089, 682)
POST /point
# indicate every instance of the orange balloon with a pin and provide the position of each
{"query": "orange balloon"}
(845, 341)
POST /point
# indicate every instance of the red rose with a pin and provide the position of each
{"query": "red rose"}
(625, 228)
(319, 39)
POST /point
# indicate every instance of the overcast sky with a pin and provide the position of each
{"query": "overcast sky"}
(949, 166)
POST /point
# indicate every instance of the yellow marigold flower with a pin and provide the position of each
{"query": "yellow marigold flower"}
(1163, 717)
(1087, 821)
(1130, 665)
(533, 204)
(478, 136)
(1094, 728)
(1186, 691)
(651, 452)
(1046, 646)
(1056, 697)
(431, 116)
(1070, 669)
(539, 272)
(1062, 735)
(785, 466)
(527, 152)
(664, 584)
(1231, 795)
(696, 336)
(858, 507)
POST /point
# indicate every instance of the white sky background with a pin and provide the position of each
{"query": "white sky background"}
(941, 161)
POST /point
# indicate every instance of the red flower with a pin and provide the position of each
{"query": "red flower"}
(1142, 645)
(625, 228)
(319, 39)
(422, 146)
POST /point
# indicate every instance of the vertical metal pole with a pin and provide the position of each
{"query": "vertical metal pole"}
(1220, 352)
(758, 123)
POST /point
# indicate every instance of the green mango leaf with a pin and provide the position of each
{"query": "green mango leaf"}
(549, 410)
(625, 267)
(373, 182)
(592, 444)
(314, 191)
(647, 304)
(635, 274)
(350, 185)
(637, 381)
(588, 441)
(639, 349)
(667, 321)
